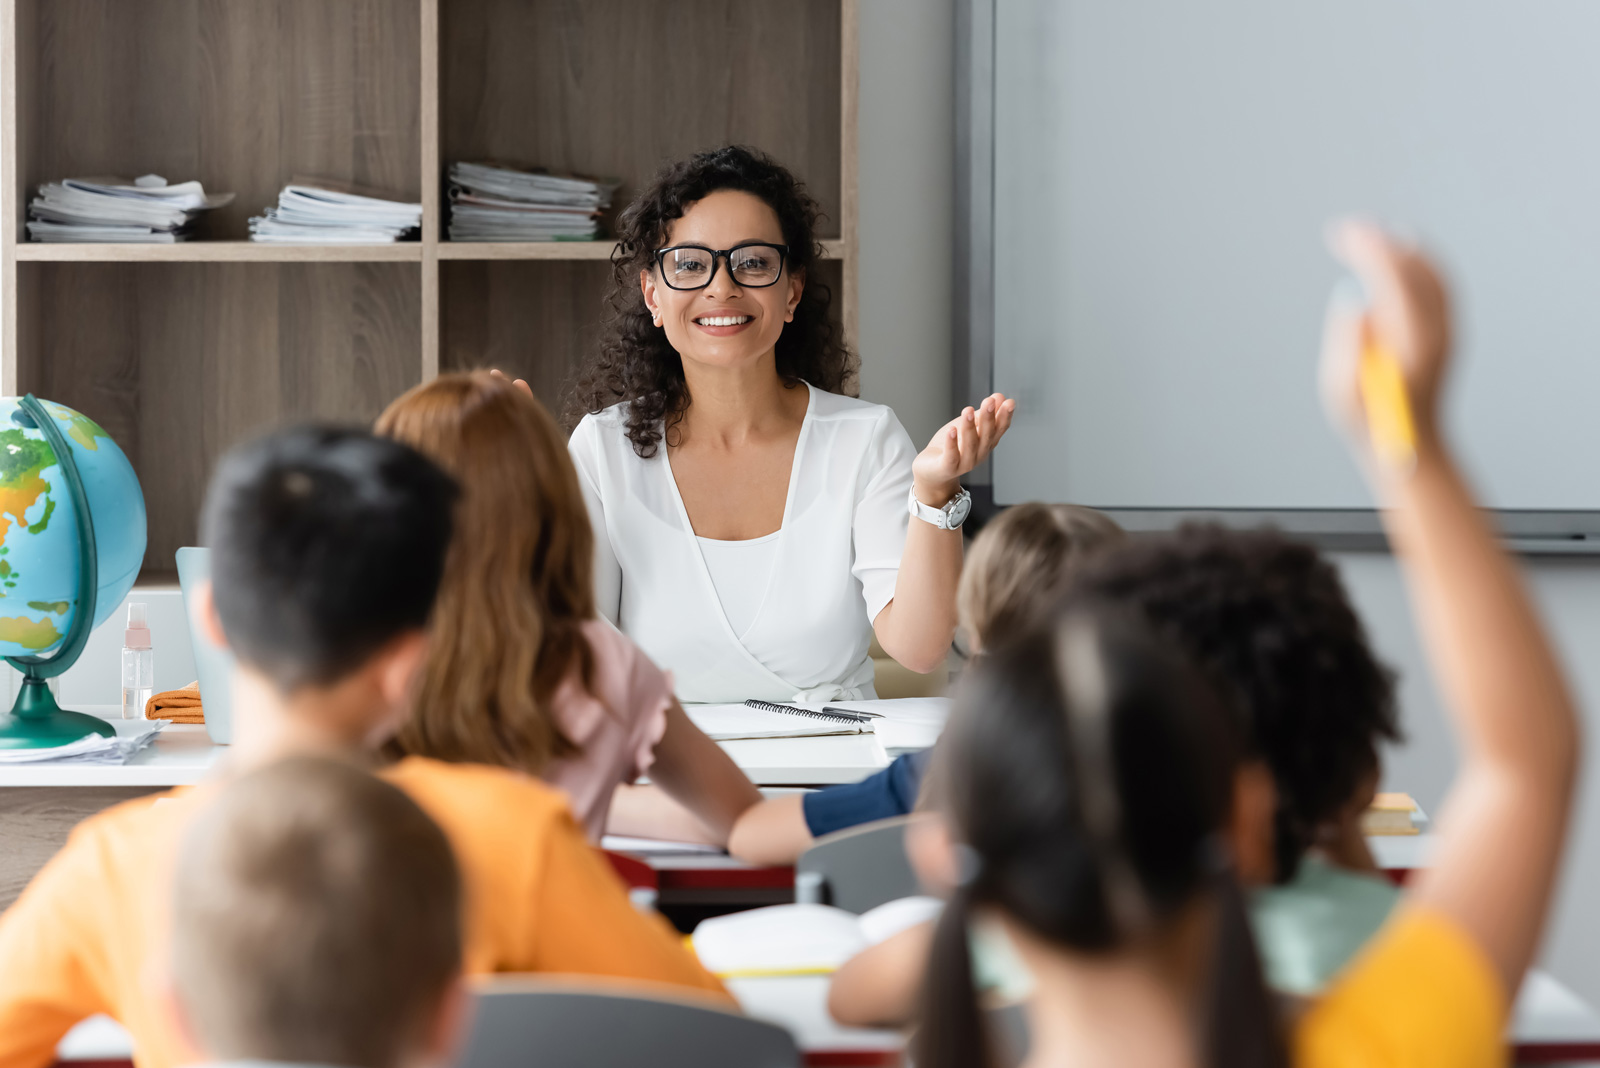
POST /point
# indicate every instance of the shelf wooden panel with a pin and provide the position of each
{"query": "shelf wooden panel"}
(621, 87)
(221, 252)
(832, 249)
(179, 361)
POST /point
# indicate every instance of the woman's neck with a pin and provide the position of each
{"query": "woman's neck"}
(1134, 1007)
(731, 405)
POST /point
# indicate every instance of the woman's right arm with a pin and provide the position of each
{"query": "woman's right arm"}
(583, 447)
(1502, 826)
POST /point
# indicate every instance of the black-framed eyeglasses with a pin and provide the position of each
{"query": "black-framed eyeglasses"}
(754, 264)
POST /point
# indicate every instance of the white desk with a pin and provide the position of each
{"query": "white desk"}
(1548, 1017)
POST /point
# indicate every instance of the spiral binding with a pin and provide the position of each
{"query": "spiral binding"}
(814, 713)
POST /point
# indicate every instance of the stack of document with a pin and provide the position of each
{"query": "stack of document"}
(491, 202)
(314, 211)
(144, 211)
(131, 737)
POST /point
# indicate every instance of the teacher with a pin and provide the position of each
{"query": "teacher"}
(750, 514)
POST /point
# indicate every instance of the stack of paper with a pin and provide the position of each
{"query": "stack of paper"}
(131, 736)
(490, 202)
(728, 723)
(144, 211)
(314, 211)
(800, 939)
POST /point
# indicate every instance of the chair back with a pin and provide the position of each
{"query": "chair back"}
(529, 1022)
(859, 868)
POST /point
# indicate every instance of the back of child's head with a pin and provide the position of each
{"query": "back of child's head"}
(1020, 562)
(316, 919)
(519, 579)
(1088, 777)
(1268, 618)
(326, 544)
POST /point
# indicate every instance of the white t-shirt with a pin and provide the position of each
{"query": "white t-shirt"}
(832, 564)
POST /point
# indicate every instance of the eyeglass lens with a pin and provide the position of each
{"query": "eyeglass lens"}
(750, 265)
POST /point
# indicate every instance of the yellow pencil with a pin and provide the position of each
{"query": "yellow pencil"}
(1388, 408)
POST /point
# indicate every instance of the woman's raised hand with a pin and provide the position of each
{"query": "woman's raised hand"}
(960, 445)
(519, 382)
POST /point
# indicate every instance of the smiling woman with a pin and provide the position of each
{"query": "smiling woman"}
(751, 516)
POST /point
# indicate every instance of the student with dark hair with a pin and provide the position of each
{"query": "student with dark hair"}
(1269, 621)
(327, 550)
(283, 886)
(750, 514)
(1082, 798)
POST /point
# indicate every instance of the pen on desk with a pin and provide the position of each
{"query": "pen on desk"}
(852, 712)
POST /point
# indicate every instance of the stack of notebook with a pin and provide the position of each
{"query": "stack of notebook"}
(320, 212)
(144, 211)
(493, 202)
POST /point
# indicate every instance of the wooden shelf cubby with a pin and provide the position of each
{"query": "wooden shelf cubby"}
(181, 350)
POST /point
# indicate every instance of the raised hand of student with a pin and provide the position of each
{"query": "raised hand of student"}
(960, 445)
(520, 383)
(1406, 312)
(1501, 828)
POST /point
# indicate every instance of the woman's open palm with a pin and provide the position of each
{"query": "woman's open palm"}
(963, 443)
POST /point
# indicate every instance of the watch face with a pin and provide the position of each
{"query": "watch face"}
(959, 509)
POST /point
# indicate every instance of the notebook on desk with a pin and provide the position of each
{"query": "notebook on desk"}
(770, 719)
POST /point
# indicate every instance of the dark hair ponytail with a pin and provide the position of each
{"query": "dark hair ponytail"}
(1088, 770)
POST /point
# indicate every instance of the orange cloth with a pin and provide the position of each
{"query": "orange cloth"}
(89, 933)
(1421, 995)
(179, 706)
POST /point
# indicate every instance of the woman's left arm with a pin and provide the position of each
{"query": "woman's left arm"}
(917, 625)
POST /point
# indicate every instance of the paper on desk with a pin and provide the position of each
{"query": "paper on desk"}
(727, 723)
(620, 843)
(907, 723)
(132, 736)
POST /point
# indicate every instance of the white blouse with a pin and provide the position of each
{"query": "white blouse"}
(829, 571)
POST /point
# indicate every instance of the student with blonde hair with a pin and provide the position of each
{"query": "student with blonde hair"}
(1018, 565)
(284, 887)
(521, 671)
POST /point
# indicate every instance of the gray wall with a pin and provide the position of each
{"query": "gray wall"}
(906, 175)
(907, 170)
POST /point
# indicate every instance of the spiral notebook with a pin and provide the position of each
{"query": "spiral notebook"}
(772, 719)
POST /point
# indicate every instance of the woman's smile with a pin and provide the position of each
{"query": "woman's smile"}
(723, 323)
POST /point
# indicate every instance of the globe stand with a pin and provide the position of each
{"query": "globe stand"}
(36, 721)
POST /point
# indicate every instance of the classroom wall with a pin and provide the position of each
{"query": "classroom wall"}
(906, 167)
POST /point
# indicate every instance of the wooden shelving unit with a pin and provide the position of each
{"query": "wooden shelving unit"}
(181, 350)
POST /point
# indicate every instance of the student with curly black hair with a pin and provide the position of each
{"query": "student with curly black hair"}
(751, 516)
(1268, 620)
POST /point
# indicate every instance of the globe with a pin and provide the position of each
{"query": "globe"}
(39, 527)
(61, 477)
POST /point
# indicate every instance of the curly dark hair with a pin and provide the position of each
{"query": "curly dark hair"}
(634, 362)
(1269, 620)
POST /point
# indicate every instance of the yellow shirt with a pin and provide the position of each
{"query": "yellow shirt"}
(1422, 995)
(89, 934)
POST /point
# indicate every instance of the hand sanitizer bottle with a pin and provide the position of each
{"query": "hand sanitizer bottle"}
(138, 664)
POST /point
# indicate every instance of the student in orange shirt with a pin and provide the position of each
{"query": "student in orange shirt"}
(327, 549)
(1086, 782)
(326, 843)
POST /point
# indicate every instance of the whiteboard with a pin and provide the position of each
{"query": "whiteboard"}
(1162, 172)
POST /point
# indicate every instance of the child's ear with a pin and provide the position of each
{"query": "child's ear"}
(446, 1029)
(205, 608)
(1250, 830)
(401, 659)
(931, 849)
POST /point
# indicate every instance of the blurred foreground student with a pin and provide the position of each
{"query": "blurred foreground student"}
(522, 671)
(1086, 787)
(283, 887)
(1018, 566)
(1267, 618)
(326, 550)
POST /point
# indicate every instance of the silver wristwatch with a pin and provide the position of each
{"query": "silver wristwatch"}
(950, 517)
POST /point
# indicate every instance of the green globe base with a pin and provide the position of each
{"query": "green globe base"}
(37, 722)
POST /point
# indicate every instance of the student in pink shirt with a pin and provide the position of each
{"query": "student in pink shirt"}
(521, 671)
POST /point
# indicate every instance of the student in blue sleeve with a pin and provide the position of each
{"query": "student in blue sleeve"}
(1017, 569)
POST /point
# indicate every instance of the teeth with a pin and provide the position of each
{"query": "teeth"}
(722, 320)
